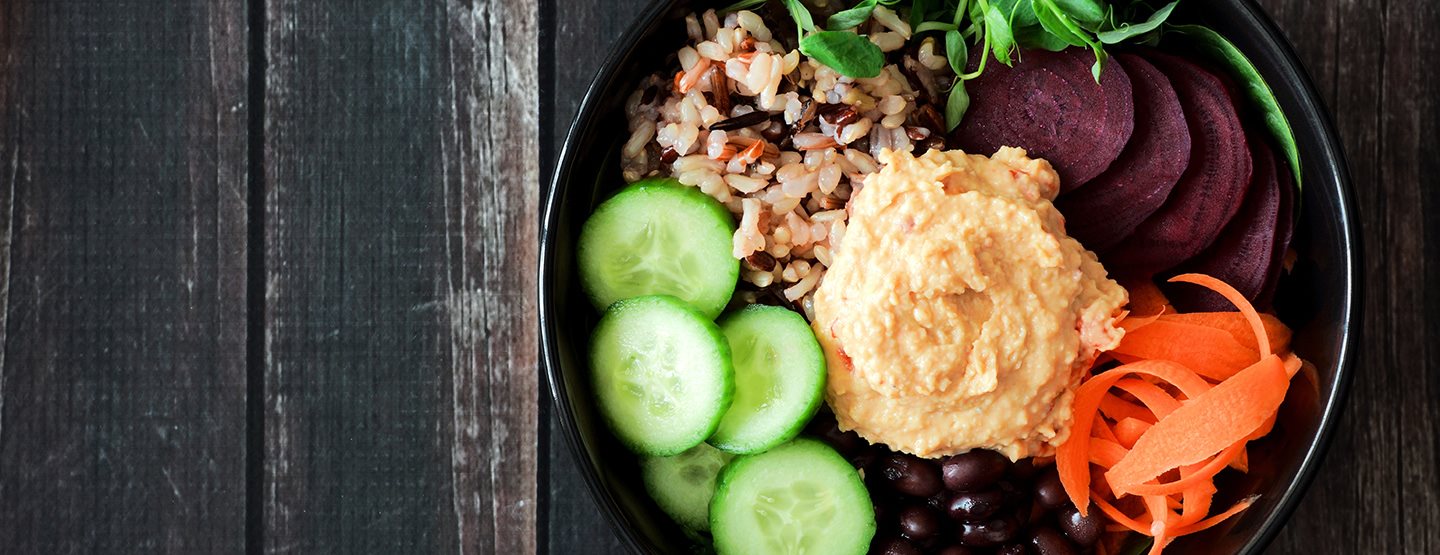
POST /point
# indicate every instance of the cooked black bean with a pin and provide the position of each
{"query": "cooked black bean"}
(939, 501)
(989, 533)
(1023, 469)
(954, 550)
(869, 459)
(973, 470)
(1084, 530)
(894, 546)
(1047, 541)
(912, 475)
(919, 523)
(1049, 492)
(1011, 549)
(741, 121)
(975, 505)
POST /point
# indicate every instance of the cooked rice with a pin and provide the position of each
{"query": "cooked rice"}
(786, 177)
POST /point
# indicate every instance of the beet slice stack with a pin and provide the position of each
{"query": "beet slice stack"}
(1209, 193)
(1248, 253)
(1108, 208)
(1050, 105)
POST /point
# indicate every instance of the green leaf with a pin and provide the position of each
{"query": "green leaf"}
(934, 26)
(852, 17)
(1036, 36)
(999, 34)
(1088, 12)
(1220, 49)
(1099, 65)
(955, 51)
(1059, 24)
(849, 54)
(1021, 12)
(1128, 30)
(956, 105)
(742, 5)
(801, 15)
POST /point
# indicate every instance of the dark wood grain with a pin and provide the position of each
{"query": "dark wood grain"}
(400, 235)
(122, 211)
(1379, 489)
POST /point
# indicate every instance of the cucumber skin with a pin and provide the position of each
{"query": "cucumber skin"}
(737, 465)
(817, 397)
(645, 186)
(727, 396)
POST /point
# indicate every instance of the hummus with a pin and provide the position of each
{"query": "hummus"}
(958, 314)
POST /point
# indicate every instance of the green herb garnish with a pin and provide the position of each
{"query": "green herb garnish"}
(845, 52)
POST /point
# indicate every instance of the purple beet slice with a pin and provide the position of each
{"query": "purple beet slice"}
(1284, 231)
(1050, 105)
(1245, 255)
(1108, 208)
(1209, 193)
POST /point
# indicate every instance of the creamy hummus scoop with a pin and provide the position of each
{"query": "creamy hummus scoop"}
(958, 314)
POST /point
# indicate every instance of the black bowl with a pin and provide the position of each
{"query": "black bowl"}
(1319, 299)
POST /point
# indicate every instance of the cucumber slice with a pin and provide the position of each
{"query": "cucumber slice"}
(800, 497)
(659, 237)
(684, 484)
(662, 374)
(779, 378)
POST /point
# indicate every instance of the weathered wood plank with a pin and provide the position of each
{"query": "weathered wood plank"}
(400, 236)
(123, 167)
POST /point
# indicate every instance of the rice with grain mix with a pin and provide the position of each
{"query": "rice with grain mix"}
(780, 139)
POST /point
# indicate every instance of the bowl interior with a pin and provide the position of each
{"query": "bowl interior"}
(1318, 299)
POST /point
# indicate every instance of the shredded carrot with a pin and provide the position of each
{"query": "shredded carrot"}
(1192, 389)
(1237, 326)
(1129, 431)
(1212, 353)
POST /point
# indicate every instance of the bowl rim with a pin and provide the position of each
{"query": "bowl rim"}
(1310, 107)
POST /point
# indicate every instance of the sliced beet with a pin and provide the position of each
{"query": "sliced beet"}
(1209, 193)
(1284, 231)
(1050, 105)
(1108, 208)
(1245, 255)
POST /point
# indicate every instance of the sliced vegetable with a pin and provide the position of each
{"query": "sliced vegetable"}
(1172, 431)
(800, 497)
(683, 485)
(1222, 50)
(779, 378)
(659, 237)
(662, 374)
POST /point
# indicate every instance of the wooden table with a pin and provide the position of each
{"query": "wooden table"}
(267, 274)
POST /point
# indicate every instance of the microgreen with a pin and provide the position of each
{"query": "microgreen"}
(847, 53)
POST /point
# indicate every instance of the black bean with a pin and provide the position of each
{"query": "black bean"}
(869, 459)
(975, 505)
(1049, 492)
(1084, 530)
(912, 475)
(1023, 469)
(919, 523)
(1047, 541)
(973, 470)
(1011, 549)
(989, 533)
(955, 550)
(741, 121)
(894, 546)
(939, 501)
